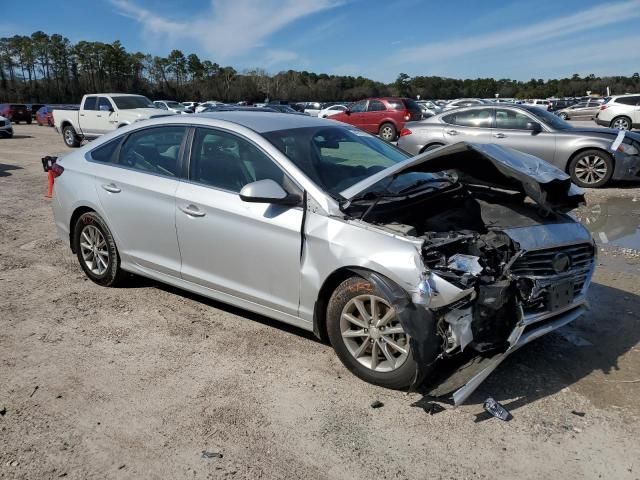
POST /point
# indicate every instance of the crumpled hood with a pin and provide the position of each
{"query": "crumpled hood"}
(491, 165)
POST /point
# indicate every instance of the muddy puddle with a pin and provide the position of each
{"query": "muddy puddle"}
(614, 222)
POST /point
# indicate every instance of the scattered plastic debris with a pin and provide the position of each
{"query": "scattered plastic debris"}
(35, 389)
(206, 454)
(579, 414)
(3, 412)
(497, 410)
(377, 404)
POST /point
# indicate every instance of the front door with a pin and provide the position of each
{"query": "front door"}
(511, 131)
(248, 250)
(137, 194)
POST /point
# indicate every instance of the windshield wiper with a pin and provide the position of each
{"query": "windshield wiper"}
(423, 181)
(380, 196)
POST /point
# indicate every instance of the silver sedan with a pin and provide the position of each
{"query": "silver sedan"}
(325, 227)
(585, 153)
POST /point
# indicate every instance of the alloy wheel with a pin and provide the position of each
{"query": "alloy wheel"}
(621, 124)
(387, 133)
(591, 169)
(68, 136)
(93, 247)
(373, 334)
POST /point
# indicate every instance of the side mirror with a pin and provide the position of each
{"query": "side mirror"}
(268, 191)
(534, 126)
(347, 112)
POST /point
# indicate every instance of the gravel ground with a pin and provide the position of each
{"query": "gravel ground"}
(137, 382)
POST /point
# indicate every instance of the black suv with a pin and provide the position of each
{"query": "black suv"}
(16, 112)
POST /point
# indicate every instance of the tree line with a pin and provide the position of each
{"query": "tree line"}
(43, 68)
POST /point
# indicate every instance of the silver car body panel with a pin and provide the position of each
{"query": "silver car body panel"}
(302, 245)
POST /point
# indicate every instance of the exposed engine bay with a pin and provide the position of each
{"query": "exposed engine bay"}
(491, 265)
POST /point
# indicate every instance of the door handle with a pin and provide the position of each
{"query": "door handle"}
(111, 188)
(99, 116)
(499, 135)
(452, 132)
(192, 211)
(82, 114)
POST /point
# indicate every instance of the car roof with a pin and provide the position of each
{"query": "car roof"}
(262, 122)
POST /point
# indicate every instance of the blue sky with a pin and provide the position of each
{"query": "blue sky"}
(517, 39)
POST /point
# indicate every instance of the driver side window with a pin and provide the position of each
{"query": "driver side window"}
(358, 107)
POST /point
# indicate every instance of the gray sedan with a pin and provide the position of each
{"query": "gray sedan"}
(322, 226)
(584, 153)
(580, 111)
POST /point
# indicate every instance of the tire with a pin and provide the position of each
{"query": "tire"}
(591, 168)
(343, 301)
(102, 268)
(29, 122)
(70, 138)
(621, 123)
(388, 132)
(564, 116)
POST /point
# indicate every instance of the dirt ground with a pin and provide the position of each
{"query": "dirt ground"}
(137, 382)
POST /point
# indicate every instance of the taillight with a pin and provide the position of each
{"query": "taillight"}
(603, 107)
(57, 170)
(407, 115)
(404, 132)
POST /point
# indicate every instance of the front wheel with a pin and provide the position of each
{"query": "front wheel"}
(564, 116)
(96, 250)
(367, 336)
(591, 168)
(388, 132)
(621, 123)
(71, 140)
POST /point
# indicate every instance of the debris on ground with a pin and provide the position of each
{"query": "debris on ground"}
(206, 454)
(3, 412)
(495, 409)
(579, 414)
(34, 391)
(428, 406)
(377, 404)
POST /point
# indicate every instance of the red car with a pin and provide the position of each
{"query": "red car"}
(44, 116)
(16, 112)
(381, 116)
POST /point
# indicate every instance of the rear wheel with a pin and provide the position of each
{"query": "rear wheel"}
(621, 123)
(96, 250)
(367, 336)
(591, 168)
(71, 140)
(29, 122)
(388, 132)
(564, 116)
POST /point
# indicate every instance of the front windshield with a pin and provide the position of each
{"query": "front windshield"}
(132, 101)
(549, 118)
(337, 157)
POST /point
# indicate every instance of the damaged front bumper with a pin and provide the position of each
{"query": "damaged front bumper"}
(528, 328)
(627, 167)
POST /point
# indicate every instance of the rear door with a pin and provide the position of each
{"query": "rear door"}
(469, 125)
(511, 131)
(372, 118)
(247, 250)
(137, 193)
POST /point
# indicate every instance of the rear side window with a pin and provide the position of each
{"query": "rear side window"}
(376, 106)
(18, 106)
(396, 104)
(479, 117)
(90, 103)
(634, 100)
(153, 150)
(106, 153)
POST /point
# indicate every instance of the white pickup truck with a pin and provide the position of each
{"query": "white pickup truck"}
(101, 113)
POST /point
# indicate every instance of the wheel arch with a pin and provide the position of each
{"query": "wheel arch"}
(77, 213)
(431, 144)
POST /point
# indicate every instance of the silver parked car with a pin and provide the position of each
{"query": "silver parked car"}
(325, 227)
(580, 111)
(584, 153)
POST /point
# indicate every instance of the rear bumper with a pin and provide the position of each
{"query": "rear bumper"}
(627, 167)
(602, 123)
